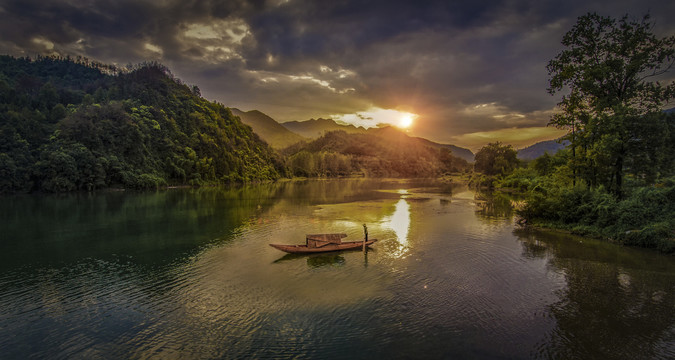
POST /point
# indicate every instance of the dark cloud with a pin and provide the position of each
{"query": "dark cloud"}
(464, 66)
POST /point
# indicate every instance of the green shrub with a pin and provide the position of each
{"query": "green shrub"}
(482, 181)
(646, 218)
(149, 181)
(522, 179)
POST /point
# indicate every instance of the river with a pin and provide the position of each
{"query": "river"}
(188, 273)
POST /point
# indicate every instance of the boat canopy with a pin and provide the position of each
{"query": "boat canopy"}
(319, 240)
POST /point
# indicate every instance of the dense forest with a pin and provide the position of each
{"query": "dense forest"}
(616, 178)
(384, 152)
(644, 216)
(71, 124)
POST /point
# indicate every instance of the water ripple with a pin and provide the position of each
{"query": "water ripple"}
(442, 282)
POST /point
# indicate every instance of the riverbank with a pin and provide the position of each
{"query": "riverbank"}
(645, 217)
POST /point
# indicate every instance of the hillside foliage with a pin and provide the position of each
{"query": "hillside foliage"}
(268, 129)
(384, 153)
(70, 124)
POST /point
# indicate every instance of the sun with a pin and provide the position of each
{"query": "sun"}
(406, 120)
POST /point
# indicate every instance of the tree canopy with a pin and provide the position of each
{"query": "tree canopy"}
(70, 124)
(496, 159)
(613, 101)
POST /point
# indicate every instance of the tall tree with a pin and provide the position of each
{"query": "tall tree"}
(496, 159)
(613, 109)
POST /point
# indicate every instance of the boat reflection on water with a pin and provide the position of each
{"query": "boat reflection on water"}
(335, 259)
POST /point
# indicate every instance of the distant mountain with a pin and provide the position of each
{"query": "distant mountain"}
(457, 151)
(381, 152)
(534, 151)
(552, 146)
(315, 128)
(267, 128)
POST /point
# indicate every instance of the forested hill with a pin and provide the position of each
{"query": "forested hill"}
(268, 129)
(314, 128)
(457, 151)
(70, 124)
(382, 153)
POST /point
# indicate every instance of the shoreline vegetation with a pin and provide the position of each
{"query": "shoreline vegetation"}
(550, 199)
(616, 178)
(645, 217)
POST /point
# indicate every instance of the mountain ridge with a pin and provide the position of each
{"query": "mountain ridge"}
(314, 128)
(267, 128)
(380, 152)
(538, 149)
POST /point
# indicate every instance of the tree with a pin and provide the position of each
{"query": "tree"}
(496, 159)
(613, 109)
(445, 157)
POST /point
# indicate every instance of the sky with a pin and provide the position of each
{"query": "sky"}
(465, 72)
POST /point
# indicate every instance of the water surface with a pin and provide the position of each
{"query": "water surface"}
(188, 273)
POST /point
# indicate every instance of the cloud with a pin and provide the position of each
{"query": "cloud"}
(375, 117)
(465, 67)
(518, 137)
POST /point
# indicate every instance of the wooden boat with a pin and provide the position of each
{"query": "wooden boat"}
(323, 243)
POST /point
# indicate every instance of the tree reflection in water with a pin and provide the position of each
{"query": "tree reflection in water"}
(614, 304)
(494, 206)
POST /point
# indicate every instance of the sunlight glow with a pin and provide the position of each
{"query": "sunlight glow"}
(153, 48)
(400, 221)
(405, 121)
(518, 137)
(376, 116)
(44, 42)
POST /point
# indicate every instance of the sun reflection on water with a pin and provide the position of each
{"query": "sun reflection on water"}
(399, 223)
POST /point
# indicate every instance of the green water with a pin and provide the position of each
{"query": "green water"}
(188, 273)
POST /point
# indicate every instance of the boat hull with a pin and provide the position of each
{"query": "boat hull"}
(303, 249)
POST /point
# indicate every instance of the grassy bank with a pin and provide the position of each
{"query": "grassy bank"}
(644, 217)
